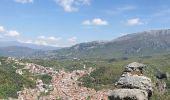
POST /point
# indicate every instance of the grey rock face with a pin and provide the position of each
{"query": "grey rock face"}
(128, 94)
(137, 82)
(133, 85)
(135, 66)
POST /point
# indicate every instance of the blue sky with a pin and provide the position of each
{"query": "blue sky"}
(67, 22)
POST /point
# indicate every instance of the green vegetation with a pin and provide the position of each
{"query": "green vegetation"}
(67, 64)
(10, 82)
(105, 77)
(108, 70)
(45, 78)
(106, 73)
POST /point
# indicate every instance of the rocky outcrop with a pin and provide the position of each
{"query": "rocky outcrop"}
(138, 68)
(129, 94)
(132, 85)
(137, 82)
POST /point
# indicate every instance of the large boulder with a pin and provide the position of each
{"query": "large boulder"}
(128, 94)
(135, 67)
(132, 85)
(136, 82)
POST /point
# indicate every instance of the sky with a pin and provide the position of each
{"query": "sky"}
(64, 23)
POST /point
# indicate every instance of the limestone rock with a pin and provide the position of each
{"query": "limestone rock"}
(135, 66)
(133, 85)
(136, 82)
(128, 94)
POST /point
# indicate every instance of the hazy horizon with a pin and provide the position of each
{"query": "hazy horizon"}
(63, 23)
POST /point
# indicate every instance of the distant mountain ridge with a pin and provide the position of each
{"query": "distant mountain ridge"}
(145, 43)
(28, 45)
(136, 44)
(17, 49)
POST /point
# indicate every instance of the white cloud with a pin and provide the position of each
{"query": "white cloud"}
(134, 22)
(51, 38)
(8, 33)
(43, 40)
(51, 41)
(96, 22)
(24, 1)
(72, 5)
(12, 33)
(2, 29)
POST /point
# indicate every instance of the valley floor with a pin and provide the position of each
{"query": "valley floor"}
(71, 79)
(64, 86)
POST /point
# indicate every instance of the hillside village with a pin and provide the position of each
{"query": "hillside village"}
(65, 85)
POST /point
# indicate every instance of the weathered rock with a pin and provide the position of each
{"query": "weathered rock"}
(128, 94)
(133, 85)
(136, 82)
(135, 66)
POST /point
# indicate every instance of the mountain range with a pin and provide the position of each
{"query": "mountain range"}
(28, 45)
(18, 49)
(145, 43)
